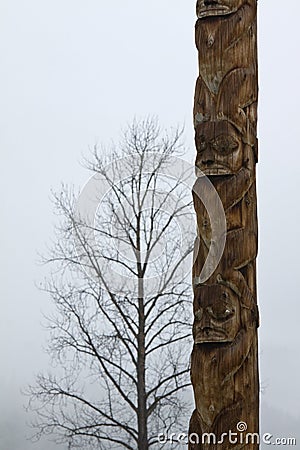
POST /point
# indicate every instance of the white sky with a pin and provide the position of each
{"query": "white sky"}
(72, 73)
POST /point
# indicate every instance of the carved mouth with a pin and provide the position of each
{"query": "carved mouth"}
(215, 10)
(209, 335)
(214, 171)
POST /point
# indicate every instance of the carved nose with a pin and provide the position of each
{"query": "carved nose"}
(208, 158)
(207, 162)
(205, 324)
(206, 331)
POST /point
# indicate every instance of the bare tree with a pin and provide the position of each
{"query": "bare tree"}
(120, 333)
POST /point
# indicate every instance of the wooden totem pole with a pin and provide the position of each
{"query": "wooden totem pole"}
(224, 362)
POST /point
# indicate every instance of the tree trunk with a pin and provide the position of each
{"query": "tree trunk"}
(224, 364)
(141, 379)
(141, 356)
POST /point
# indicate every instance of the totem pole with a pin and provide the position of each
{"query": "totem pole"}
(224, 366)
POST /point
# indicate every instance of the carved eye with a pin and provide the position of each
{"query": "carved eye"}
(198, 314)
(202, 144)
(225, 144)
(221, 310)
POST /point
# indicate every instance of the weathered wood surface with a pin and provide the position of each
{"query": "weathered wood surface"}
(224, 368)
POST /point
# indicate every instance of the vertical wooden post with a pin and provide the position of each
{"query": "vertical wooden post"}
(224, 363)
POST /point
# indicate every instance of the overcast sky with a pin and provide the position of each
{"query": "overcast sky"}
(72, 73)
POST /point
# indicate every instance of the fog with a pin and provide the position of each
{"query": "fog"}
(73, 73)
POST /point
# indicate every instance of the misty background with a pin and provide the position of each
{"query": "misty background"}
(72, 73)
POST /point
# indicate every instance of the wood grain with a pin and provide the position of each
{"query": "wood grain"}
(224, 362)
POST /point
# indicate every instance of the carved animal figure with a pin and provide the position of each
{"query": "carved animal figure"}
(227, 84)
(209, 8)
(230, 166)
(226, 318)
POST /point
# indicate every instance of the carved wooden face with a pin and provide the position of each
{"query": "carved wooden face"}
(217, 314)
(208, 8)
(219, 148)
